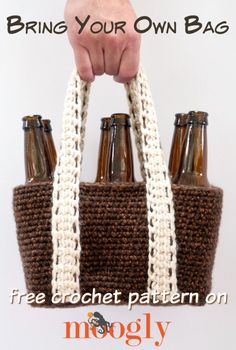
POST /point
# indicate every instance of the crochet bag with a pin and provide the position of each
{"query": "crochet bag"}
(131, 237)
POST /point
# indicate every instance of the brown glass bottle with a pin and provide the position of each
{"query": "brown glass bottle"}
(103, 150)
(181, 120)
(120, 158)
(49, 144)
(37, 167)
(193, 164)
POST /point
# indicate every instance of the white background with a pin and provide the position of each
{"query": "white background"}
(186, 72)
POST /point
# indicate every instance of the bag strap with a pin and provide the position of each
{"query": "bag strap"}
(65, 210)
(161, 218)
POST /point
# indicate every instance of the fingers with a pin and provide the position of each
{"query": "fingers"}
(89, 62)
(97, 60)
(112, 59)
(129, 65)
(112, 56)
(114, 49)
(83, 63)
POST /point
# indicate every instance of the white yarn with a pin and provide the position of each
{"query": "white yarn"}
(161, 218)
(65, 211)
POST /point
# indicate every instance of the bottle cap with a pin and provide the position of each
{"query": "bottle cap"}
(105, 123)
(47, 127)
(32, 121)
(120, 119)
(198, 118)
(181, 119)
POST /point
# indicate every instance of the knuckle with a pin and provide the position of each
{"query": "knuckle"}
(115, 41)
(73, 39)
(134, 38)
(85, 39)
(95, 39)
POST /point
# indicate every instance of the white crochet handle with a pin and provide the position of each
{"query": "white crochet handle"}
(65, 211)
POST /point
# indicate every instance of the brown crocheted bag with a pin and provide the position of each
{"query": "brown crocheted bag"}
(131, 237)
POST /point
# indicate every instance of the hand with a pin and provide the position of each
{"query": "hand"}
(96, 54)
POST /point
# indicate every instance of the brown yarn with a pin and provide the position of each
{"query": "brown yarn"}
(32, 208)
(198, 214)
(114, 237)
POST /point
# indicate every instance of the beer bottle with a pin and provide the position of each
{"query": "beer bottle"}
(103, 150)
(120, 158)
(37, 167)
(49, 144)
(181, 120)
(193, 164)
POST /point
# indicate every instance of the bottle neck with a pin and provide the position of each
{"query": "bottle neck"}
(181, 119)
(177, 142)
(105, 124)
(198, 118)
(31, 122)
(120, 158)
(103, 153)
(50, 149)
(47, 125)
(36, 163)
(193, 163)
(176, 149)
